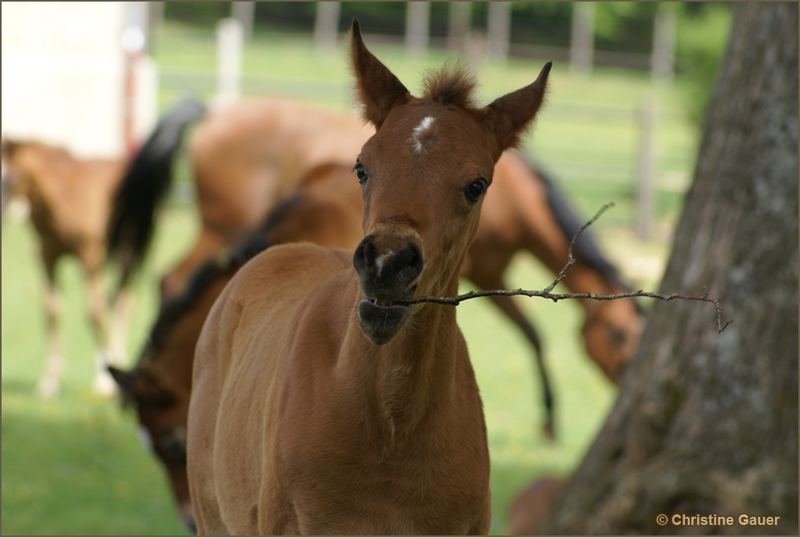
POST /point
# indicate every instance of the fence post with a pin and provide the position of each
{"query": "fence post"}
(244, 12)
(326, 25)
(458, 24)
(581, 48)
(646, 167)
(499, 29)
(229, 59)
(662, 58)
(418, 16)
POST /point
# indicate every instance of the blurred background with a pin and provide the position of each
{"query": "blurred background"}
(622, 122)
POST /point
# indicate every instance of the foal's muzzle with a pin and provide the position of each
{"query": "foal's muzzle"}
(388, 268)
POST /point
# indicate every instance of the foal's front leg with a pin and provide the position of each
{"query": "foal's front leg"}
(54, 360)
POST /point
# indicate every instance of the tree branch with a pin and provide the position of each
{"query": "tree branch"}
(547, 292)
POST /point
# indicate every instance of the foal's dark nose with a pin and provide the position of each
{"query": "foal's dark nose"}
(387, 266)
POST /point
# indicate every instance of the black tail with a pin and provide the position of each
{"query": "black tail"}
(144, 186)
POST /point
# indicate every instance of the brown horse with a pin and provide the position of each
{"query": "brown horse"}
(245, 157)
(320, 402)
(70, 201)
(527, 212)
(159, 386)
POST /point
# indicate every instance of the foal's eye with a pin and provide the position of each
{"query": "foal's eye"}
(361, 173)
(475, 190)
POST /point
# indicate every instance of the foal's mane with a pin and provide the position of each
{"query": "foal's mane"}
(451, 85)
(210, 271)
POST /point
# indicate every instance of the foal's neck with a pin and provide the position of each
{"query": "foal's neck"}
(406, 379)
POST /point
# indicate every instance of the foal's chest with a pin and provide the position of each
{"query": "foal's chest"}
(356, 486)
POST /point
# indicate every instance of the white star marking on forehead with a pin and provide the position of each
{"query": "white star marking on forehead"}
(418, 141)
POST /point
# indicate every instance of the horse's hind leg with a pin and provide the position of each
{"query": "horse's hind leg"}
(104, 356)
(54, 360)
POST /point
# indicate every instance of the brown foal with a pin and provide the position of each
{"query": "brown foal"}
(69, 200)
(321, 403)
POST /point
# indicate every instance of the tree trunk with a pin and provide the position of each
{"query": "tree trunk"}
(706, 423)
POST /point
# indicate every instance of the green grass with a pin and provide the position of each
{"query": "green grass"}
(75, 466)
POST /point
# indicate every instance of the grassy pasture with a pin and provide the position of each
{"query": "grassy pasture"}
(74, 465)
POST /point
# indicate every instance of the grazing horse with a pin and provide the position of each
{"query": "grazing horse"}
(323, 402)
(70, 201)
(527, 212)
(159, 386)
(244, 157)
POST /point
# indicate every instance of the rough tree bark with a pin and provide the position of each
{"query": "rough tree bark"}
(706, 423)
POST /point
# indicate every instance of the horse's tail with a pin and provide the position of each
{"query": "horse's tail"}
(144, 186)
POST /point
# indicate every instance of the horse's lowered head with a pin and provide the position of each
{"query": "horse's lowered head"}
(611, 334)
(424, 174)
(161, 409)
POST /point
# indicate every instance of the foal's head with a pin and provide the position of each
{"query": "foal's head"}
(424, 174)
(30, 165)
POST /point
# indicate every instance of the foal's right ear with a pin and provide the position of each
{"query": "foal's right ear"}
(378, 89)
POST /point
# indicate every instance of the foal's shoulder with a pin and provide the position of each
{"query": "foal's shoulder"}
(284, 264)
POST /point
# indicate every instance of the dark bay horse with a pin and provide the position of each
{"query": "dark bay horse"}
(526, 212)
(70, 201)
(159, 387)
(320, 402)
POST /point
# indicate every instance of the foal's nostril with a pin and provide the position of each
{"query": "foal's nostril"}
(365, 254)
(410, 259)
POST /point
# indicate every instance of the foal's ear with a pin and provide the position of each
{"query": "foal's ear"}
(510, 114)
(124, 379)
(378, 89)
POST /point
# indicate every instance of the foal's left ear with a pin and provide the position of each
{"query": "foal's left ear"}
(510, 114)
(378, 88)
